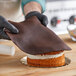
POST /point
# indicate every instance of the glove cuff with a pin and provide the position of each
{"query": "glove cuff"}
(34, 13)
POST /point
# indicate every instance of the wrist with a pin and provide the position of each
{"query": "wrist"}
(32, 6)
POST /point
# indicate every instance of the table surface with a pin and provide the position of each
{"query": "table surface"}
(11, 65)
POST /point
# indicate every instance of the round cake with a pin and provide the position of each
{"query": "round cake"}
(52, 59)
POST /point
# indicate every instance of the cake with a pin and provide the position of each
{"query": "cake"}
(52, 59)
(42, 46)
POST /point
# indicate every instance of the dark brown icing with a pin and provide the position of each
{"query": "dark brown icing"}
(34, 38)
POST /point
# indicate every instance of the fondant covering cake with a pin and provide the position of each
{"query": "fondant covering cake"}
(43, 47)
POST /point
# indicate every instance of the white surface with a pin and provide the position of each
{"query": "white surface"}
(62, 10)
(7, 50)
(72, 27)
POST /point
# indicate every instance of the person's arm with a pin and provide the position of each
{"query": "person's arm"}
(33, 5)
(34, 8)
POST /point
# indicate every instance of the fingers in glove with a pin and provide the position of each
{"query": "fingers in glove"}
(5, 24)
(44, 20)
(3, 35)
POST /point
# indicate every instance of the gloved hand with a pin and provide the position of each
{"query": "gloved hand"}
(4, 24)
(42, 18)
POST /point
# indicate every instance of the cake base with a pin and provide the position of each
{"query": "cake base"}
(50, 62)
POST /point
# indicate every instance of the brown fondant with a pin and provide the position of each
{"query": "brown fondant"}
(34, 38)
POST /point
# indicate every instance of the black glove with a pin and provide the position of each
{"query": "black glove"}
(4, 24)
(42, 18)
